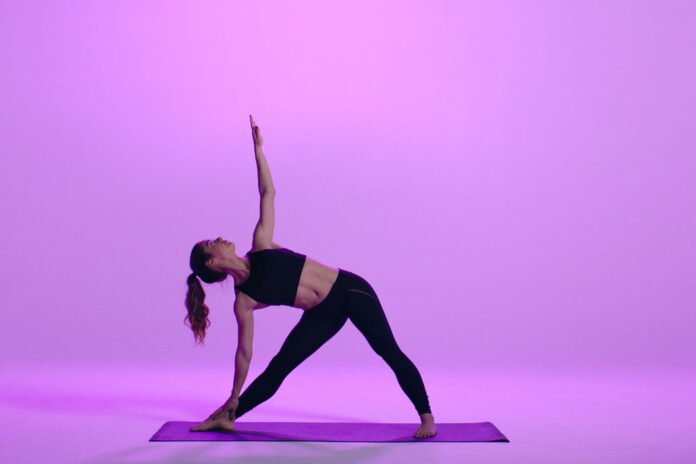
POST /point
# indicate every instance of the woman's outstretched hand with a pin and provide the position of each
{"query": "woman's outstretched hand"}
(255, 132)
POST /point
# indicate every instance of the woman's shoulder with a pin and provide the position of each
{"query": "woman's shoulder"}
(264, 247)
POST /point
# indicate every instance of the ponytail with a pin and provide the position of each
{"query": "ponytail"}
(197, 311)
(197, 316)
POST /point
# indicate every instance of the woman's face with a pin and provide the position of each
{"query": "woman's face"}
(221, 249)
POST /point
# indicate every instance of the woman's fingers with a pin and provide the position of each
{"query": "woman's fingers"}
(220, 423)
(255, 132)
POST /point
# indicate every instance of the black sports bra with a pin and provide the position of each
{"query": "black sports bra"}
(274, 276)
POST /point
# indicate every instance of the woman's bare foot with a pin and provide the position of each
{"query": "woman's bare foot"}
(221, 422)
(427, 427)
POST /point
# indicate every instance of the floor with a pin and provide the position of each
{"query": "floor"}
(107, 415)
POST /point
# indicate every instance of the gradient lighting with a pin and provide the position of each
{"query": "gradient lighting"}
(514, 178)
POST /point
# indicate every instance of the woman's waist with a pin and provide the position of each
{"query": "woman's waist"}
(350, 280)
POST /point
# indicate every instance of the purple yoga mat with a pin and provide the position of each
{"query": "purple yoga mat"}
(329, 431)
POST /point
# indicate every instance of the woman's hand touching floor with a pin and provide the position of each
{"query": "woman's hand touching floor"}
(222, 418)
(221, 422)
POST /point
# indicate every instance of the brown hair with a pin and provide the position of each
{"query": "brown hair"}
(197, 311)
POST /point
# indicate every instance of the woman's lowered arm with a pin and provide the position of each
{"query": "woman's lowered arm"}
(245, 331)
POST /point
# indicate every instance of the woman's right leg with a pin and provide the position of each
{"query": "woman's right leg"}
(313, 330)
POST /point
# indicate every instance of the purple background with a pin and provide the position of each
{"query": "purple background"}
(516, 179)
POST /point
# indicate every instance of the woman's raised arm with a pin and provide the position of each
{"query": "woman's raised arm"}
(265, 180)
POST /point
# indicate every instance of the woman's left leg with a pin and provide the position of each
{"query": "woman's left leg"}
(365, 312)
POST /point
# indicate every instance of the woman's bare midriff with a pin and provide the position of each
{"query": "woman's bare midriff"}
(316, 281)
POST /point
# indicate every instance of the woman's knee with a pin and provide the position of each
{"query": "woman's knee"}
(391, 353)
(281, 365)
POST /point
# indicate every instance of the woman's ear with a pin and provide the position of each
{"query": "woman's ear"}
(210, 263)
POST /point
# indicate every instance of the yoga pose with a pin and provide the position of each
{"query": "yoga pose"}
(270, 274)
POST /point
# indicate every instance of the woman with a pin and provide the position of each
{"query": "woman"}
(273, 275)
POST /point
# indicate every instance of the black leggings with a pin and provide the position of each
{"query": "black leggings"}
(351, 297)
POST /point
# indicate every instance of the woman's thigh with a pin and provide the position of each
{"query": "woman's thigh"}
(308, 335)
(365, 312)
